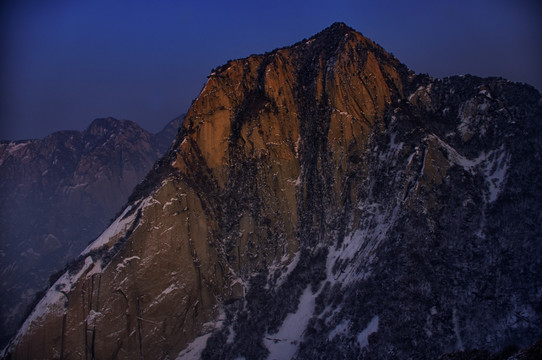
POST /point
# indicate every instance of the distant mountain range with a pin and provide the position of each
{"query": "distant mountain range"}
(321, 201)
(59, 193)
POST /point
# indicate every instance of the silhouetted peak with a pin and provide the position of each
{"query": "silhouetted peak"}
(102, 121)
(339, 28)
(103, 126)
(336, 31)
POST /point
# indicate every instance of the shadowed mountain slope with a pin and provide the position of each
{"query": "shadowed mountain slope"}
(60, 192)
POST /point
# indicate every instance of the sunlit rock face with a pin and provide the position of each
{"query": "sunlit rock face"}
(320, 201)
(59, 193)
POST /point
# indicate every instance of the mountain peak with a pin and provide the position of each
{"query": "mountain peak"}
(103, 126)
(103, 122)
(335, 33)
(304, 76)
(338, 28)
(314, 168)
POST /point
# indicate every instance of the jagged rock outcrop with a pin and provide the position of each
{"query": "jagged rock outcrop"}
(321, 201)
(60, 192)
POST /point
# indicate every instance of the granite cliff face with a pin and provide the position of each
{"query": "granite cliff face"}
(320, 201)
(57, 194)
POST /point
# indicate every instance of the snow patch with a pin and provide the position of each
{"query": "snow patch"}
(340, 329)
(93, 316)
(493, 165)
(169, 289)
(96, 269)
(54, 300)
(284, 344)
(361, 244)
(149, 201)
(121, 224)
(285, 270)
(455, 157)
(118, 226)
(231, 335)
(372, 327)
(418, 91)
(349, 249)
(410, 158)
(485, 93)
(495, 172)
(195, 348)
(331, 64)
(14, 147)
(126, 261)
(88, 263)
(168, 203)
(395, 147)
(70, 189)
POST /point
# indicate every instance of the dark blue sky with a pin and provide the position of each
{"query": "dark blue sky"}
(64, 62)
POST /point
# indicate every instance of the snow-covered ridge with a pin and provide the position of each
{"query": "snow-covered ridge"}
(492, 164)
(120, 225)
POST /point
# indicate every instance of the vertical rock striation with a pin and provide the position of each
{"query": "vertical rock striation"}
(60, 192)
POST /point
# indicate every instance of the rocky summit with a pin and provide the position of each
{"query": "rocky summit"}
(60, 192)
(321, 201)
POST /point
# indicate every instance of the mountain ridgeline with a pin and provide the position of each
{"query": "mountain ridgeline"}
(60, 192)
(321, 201)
